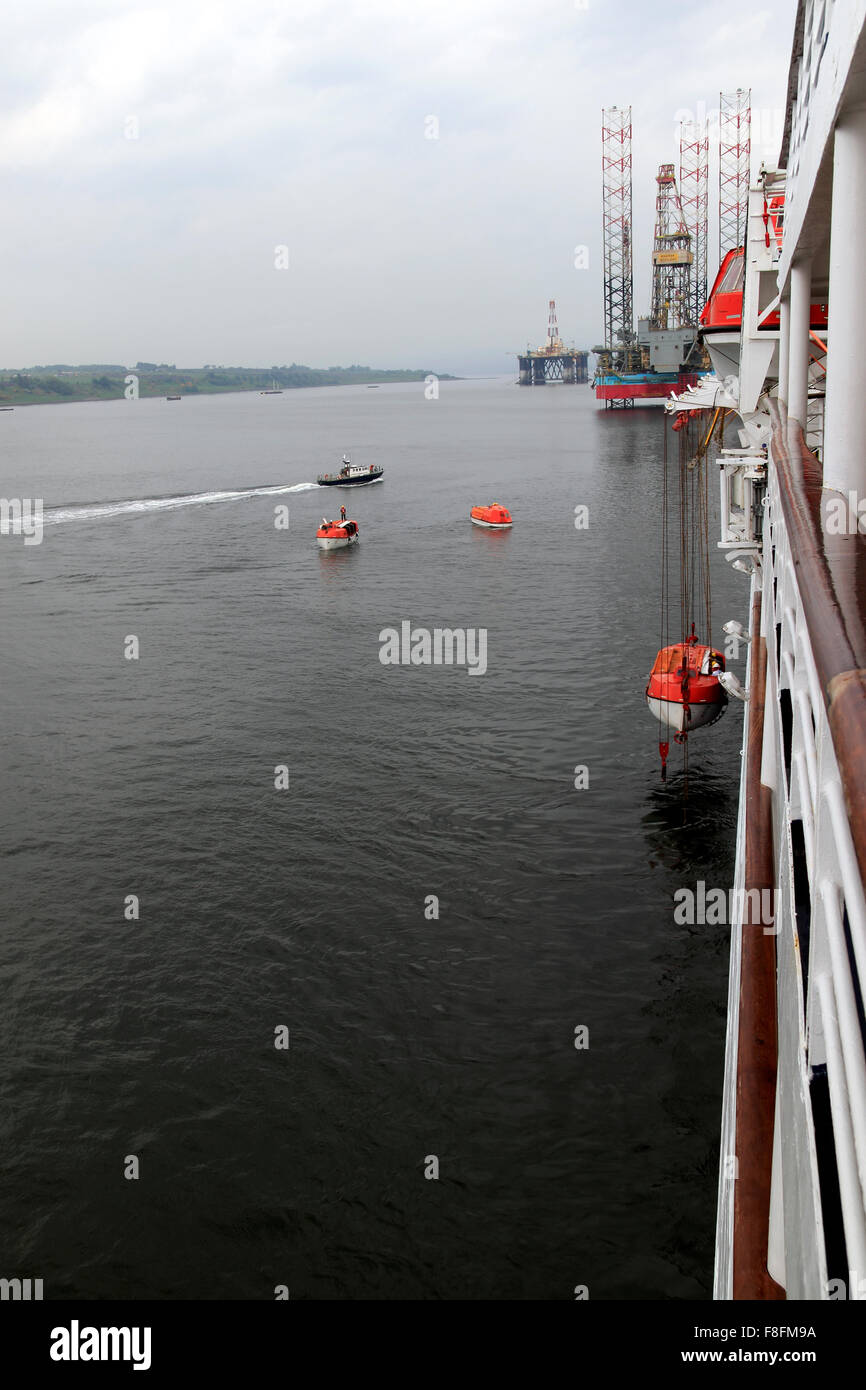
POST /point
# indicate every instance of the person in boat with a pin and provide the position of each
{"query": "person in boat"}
(342, 513)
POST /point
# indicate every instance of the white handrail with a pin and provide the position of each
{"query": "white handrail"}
(849, 1025)
(853, 1217)
(834, 974)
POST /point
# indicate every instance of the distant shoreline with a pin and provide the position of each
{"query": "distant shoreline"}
(80, 385)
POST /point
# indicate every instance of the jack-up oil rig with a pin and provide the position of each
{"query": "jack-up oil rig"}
(553, 361)
(664, 356)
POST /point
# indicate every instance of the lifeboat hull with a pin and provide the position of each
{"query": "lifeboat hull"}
(673, 713)
(335, 542)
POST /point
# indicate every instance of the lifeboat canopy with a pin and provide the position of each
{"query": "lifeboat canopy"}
(723, 311)
(724, 308)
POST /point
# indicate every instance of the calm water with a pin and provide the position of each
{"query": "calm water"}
(306, 908)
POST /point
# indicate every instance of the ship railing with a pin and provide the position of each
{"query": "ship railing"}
(815, 419)
(814, 761)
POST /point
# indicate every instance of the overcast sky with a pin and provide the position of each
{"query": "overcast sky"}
(154, 157)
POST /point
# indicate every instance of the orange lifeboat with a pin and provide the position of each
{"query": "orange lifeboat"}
(495, 517)
(684, 691)
(335, 535)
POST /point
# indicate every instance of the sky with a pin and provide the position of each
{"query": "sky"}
(330, 182)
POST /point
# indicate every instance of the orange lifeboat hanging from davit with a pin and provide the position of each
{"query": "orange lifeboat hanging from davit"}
(684, 691)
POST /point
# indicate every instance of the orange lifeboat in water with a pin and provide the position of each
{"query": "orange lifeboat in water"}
(495, 517)
(684, 691)
(335, 535)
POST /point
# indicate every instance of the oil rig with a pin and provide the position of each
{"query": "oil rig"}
(553, 361)
(663, 357)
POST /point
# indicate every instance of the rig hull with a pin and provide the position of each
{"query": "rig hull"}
(643, 386)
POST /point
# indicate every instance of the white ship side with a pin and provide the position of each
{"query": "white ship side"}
(792, 1179)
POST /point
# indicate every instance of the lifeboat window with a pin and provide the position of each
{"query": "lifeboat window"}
(733, 277)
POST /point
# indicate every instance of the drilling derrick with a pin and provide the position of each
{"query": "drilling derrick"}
(694, 193)
(735, 147)
(672, 257)
(619, 350)
(554, 342)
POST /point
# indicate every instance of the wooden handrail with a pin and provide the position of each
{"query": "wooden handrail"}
(831, 574)
(756, 1044)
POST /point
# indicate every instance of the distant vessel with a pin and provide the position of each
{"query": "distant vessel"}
(172, 398)
(495, 517)
(336, 535)
(7, 407)
(350, 473)
(272, 390)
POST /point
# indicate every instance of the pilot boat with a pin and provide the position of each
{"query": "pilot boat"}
(350, 473)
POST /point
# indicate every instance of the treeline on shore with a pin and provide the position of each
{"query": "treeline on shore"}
(101, 381)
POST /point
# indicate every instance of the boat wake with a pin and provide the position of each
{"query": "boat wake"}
(94, 511)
